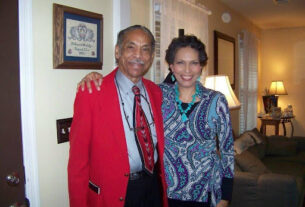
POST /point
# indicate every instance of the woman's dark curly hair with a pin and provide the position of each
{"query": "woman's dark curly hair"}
(186, 41)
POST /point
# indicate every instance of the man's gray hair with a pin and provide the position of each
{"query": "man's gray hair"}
(123, 32)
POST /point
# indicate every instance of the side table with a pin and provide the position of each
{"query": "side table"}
(268, 120)
(285, 120)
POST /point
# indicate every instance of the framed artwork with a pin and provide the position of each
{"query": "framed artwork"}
(224, 56)
(77, 38)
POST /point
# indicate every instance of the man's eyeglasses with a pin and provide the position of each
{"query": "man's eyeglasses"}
(126, 116)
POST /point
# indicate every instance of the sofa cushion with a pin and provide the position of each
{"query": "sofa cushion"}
(243, 143)
(298, 158)
(281, 146)
(250, 163)
(284, 167)
(258, 150)
(288, 165)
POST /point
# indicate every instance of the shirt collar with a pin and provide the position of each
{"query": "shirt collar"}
(125, 85)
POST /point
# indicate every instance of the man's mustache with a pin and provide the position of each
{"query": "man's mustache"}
(137, 61)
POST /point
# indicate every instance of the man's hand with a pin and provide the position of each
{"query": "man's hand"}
(223, 203)
(97, 79)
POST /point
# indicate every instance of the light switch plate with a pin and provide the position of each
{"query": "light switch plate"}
(63, 129)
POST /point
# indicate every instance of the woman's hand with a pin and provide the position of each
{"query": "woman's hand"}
(223, 203)
(97, 79)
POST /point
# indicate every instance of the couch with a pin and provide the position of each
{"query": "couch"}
(269, 171)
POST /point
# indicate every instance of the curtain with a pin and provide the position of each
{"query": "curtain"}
(248, 64)
(171, 15)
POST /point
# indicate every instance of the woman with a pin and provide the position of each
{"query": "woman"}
(198, 155)
(193, 118)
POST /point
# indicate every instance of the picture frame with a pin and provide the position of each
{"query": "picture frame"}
(77, 38)
(269, 101)
(224, 56)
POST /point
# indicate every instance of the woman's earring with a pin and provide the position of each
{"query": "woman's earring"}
(198, 79)
(173, 77)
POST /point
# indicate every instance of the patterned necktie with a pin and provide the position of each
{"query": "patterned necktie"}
(143, 134)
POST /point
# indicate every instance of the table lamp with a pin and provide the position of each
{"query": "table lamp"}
(222, 84)
(277, 88)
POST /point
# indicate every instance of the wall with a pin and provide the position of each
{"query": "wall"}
(54, 95)
(237, 24)
(283, 58)
(140, 12)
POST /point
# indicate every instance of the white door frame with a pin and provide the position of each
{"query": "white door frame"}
(121, 17)
(27, 100)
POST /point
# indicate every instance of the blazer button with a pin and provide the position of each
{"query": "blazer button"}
(126, 174)
(121, 198)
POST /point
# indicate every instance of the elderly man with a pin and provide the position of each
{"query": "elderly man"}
(117, 138)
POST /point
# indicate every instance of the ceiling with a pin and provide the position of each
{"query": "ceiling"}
(267, 15)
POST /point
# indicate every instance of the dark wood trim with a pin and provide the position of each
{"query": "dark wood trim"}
(219, 35)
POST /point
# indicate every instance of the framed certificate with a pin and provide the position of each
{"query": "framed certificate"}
(77, 38)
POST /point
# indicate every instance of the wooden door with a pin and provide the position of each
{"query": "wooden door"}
(12, 189)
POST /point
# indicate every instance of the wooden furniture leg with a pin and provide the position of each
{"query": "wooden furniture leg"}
(284, 128)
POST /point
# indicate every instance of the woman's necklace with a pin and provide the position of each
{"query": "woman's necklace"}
(179, 102)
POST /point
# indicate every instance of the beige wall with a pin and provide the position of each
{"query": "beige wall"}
(283, 58)
(54, 96)
(237, 24)
(140, 12)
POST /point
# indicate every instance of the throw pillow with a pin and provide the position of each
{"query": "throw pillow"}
(259, 137)
(243, 143)
(249, 163)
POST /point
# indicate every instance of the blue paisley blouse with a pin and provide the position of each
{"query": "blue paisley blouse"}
(194, 167)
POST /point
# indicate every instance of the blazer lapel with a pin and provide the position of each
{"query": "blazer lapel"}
(113, 112)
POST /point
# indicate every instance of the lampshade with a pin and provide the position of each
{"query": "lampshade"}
(277, 88)
(221, 83)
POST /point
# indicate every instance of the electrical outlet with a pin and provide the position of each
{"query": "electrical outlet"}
(63, 129)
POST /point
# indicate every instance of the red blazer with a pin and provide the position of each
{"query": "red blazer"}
(98, 149)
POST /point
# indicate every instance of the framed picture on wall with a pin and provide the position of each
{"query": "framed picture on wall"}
(77, 38)
(224, 56)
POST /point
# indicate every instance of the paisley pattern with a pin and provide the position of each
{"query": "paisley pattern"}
(192, 165)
